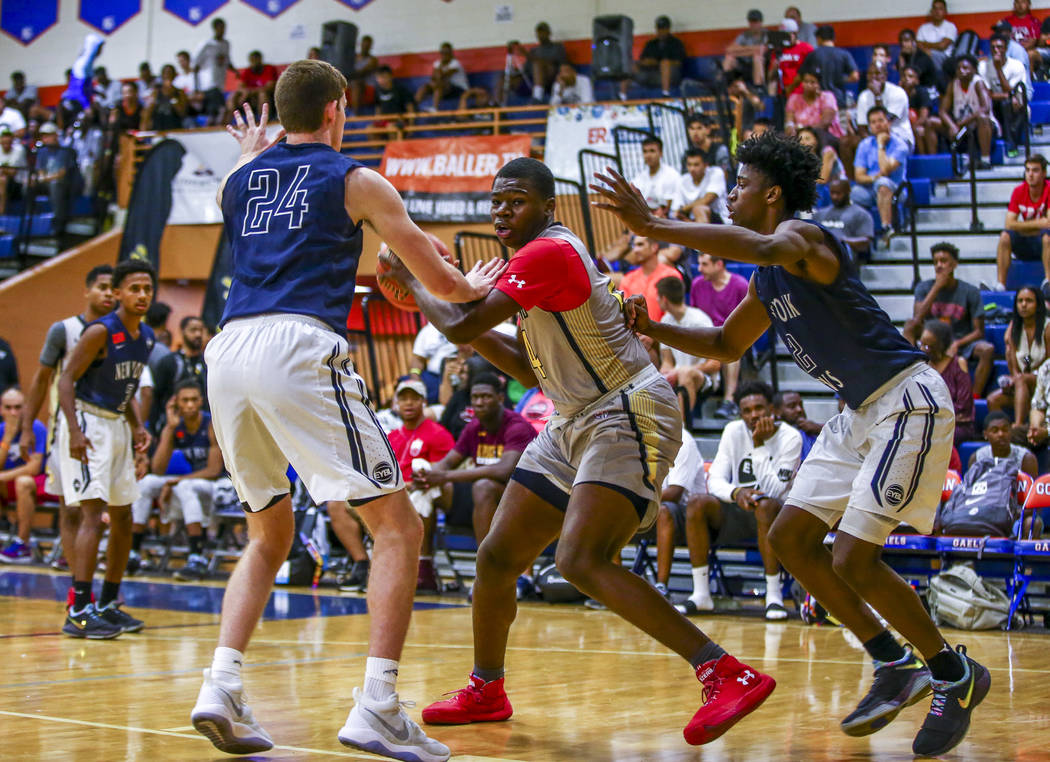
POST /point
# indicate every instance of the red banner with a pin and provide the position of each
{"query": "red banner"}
(449, 179)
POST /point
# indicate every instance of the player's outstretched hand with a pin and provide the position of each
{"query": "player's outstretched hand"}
(623, 200)
(636, 314)
(483, 276)
(250, 135)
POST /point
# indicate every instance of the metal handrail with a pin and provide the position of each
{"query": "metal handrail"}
(976, 225)
(906, 188)
(585, 210)
(1022, 87)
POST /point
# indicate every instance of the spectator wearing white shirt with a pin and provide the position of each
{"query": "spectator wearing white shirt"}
(211, 61)
(658, 183)
(701, 192)
(12, 168)
(448, 79)
(571, 87)
(683, 371)
(938, 35)
(1002, 74)
(12, 119)
(685, 485)
(891, 97)
(749, 478)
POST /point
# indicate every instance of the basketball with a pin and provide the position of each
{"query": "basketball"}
(393, 291)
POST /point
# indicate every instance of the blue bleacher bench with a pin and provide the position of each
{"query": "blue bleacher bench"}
(1023, 273)
(936, 166)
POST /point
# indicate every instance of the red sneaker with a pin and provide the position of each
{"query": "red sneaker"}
(478, 702)
(427, 580)
(732, 690)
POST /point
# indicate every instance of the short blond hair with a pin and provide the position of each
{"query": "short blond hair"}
(303, 91)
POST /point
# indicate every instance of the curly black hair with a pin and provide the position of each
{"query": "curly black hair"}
(787, 163)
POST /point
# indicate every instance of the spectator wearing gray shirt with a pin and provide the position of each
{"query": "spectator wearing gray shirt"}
(546, 60)
(807, 32)
(847, 221)
(746, 54)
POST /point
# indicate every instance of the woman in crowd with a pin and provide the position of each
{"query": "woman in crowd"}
(1026, 341)
(810, 106)
(831, 168)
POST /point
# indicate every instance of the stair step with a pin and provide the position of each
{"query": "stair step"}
(887, 277)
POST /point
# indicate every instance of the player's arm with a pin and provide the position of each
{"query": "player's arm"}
(92, 342)
(34, 401)
(371, 198)
(1028, 464)
(252, 138)
(499, 472)
(166, 443)
(795, 245)
(507, 354)
(139, 435)
(435, 476)
(726, 343)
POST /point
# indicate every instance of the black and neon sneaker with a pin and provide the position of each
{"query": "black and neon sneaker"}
(116, 616)
(950, 711)
(89, 623)
(897, 684)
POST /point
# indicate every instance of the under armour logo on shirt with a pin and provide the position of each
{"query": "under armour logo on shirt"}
(516, 281)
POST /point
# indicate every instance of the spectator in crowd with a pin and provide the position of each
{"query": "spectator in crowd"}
(494, 441)
(515, 78)
(21, 479)
(8, 366)
(880, 55)
(809, 106)
(57, 175)
(680, 494)
(448, 79)
(186, 80)
(879, 167)
(12, 168)
(185, 363)
(698, 129)
(683, 371)
(746, 104)
(211, 61)
(546, 61)
(936, 342)
(702, 191)
(747, 53)
(146, 81)
(967, 105)
(1027, 337)
(892, 99)
(363, 75)
(127, 116)
(1027, 228)
(658, 182)
(649, 271)
(919, 106)
(167, 106)
(930, 75)
(660, 65)
(790, 409)
(787, 63)
(391, 97)
(831, 167)
(25, 98)
(807, 32)
(997, 433)
(1016, 50)
(958, 304)
(187, 430)
(752, 471)
(157, 318)
(348, 529)
(1001, 75)
(258, 81)
(430, 350)
(717, 292)
(11, 118)
(1026, 27)
(107, 93)
(846, 220)
(834, 67)
(570, 87)
(937, 36)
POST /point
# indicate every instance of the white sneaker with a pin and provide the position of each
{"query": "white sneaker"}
(224, 718)
(383, 728)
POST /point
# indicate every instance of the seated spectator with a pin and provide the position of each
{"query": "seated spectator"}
(958, 304)
(211, 61)
(12, 168)
(930, 75)
(698, 129)
(167, 106)
(892, 99)
(127, 116)
(937, 36)
(365, 65)
(879, 167)
(680, 494)
(847, 221)
(660, 65)
(185, 363)
(21, 480)
(683, 371)
(1025, 27)
(571, 87)
(880, 55)
(146, 81)
(701, 194)
(966, 105)
(997, 433)
(749, 478)
(807, 32)
(831, 167)
(186, 80)
(257, 83)
(834, 67)
(391, 97)
(746, 104)
(935, 341)
(457, 376)
(789, 408)
(430, 350)
(11, 118)
(494, 441)
(1027, 337)
(746, 54)
(546, 61)
(783, 67)
(1035, 433)
(717, 292)
(649, 271)
(1001, 75)
(25, 98)
(515, 78)
(448, 79)
(107, 94)
(809, 106)
(57, 175)
(658, 182)
(1027, 233)
(919, 105)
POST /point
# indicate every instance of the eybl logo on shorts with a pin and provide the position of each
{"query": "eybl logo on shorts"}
(894, 494)
(383, 472)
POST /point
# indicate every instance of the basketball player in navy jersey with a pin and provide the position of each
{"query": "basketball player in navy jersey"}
(100, 427)
(590, 478)
(282, 389)
(879, 463)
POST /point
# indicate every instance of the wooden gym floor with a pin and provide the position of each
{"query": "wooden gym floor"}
(585, 685)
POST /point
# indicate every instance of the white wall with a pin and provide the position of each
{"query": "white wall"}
(402, 26)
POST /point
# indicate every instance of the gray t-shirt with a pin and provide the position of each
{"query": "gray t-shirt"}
(958, 307)
(1016, 456)
(849, 221)
(54, 345)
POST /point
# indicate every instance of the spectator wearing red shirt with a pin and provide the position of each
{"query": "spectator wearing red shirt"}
(934, 341)
(1026, 27)
(791, 57)
(643, 279)
(717, 292)
(258, 81)
(494, 441)
(1027, 228)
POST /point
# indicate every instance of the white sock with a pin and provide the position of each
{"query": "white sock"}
(773, 593)
(380, 678)
(226, 667)
(701, 584)
(537, 92)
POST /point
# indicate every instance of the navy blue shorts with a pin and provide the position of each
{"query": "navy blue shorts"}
(1028, 248)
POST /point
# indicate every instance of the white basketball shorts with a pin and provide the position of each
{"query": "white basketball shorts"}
(109, 474)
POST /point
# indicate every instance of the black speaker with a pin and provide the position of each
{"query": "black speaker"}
(339, 45)
(611, 49)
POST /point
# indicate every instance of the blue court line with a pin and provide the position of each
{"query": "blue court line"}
(194, 598)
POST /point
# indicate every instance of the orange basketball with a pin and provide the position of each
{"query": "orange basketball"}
(393, 291)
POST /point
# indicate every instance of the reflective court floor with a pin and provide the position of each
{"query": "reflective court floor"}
(584, 684)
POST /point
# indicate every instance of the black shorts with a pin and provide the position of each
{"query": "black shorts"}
(1027, 248)
(739, 527)
(650, 78)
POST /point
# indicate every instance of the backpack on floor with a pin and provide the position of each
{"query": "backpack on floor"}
(554, 588)
(984, 504)
(959, 598)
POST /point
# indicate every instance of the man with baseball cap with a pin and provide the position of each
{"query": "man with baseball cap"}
(791, 57)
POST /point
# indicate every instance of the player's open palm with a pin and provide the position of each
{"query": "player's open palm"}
(622, 199)
(483, 276)
(251, 134)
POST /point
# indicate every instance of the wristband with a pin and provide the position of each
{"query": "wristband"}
(415, 371)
